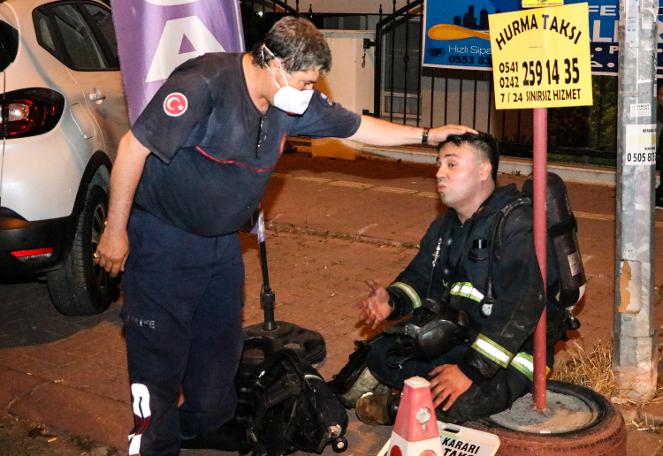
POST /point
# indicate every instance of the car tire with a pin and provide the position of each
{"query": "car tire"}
(604, 435)
(81, 287)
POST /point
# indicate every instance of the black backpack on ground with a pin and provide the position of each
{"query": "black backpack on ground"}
(284, 406)
(294, 408)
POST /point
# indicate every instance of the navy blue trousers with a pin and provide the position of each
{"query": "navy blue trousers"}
(183, 330)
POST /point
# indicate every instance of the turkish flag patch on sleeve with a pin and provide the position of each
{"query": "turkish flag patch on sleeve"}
(175, 104)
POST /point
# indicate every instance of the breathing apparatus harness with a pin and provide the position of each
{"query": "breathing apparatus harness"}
(435, 328)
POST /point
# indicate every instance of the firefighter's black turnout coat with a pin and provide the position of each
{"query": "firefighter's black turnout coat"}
(501, 334)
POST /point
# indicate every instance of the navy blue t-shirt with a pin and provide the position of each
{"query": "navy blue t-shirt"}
(212, 150)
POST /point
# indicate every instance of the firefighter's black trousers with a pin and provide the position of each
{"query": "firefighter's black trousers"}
(392, 367)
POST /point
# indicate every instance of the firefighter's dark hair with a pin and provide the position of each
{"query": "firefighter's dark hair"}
(297, 43)
(483, 143)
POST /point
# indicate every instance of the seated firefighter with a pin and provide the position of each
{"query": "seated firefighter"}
(476, 285)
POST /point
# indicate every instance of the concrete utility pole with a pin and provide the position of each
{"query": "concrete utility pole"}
(634, 342)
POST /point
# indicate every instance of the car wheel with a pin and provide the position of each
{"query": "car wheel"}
(81, 287)
(602, 434)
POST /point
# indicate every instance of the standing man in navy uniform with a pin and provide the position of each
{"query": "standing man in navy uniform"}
(188, 175)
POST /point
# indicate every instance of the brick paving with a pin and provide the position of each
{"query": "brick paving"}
(331, 225)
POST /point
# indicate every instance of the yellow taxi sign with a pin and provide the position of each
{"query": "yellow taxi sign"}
(541, 57)
(540, 3)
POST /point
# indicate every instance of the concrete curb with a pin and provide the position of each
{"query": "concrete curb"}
(73, 410)
(17, 385)
(570, 172)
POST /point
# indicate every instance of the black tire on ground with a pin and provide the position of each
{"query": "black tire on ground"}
(604, 436)
(80, 287)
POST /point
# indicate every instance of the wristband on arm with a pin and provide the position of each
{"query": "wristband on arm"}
(424, 136)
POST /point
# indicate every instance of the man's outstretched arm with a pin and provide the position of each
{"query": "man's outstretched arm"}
(379, 132)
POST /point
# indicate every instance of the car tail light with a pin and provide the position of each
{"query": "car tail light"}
(33, 255)
(29, 112)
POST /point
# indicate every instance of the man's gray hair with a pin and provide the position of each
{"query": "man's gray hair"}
(297, 43)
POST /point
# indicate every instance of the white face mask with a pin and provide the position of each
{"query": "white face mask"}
(291, 100)
(288, 98)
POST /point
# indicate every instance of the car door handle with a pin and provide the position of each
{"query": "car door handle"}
(97, 96)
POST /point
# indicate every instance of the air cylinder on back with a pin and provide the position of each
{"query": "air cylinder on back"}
(562, 228)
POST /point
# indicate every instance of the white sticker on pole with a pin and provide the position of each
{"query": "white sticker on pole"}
(647, 12)
(629, 11)
(640, 110)
(640, 145)
(459, 440)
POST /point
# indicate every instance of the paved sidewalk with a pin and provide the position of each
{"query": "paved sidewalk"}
(331, 225)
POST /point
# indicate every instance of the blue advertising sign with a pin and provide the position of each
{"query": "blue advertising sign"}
(456, 33)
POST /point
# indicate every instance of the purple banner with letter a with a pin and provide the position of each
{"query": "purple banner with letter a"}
(156, 36)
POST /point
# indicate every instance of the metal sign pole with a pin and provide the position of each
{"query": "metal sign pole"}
(634, 343)
(536, 67)
(540, 180)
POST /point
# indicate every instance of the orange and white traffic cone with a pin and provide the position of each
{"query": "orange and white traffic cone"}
(415, 430)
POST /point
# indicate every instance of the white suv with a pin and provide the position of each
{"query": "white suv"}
(62, 112)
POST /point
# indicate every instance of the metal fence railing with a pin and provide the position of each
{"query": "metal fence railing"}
(405, 92)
